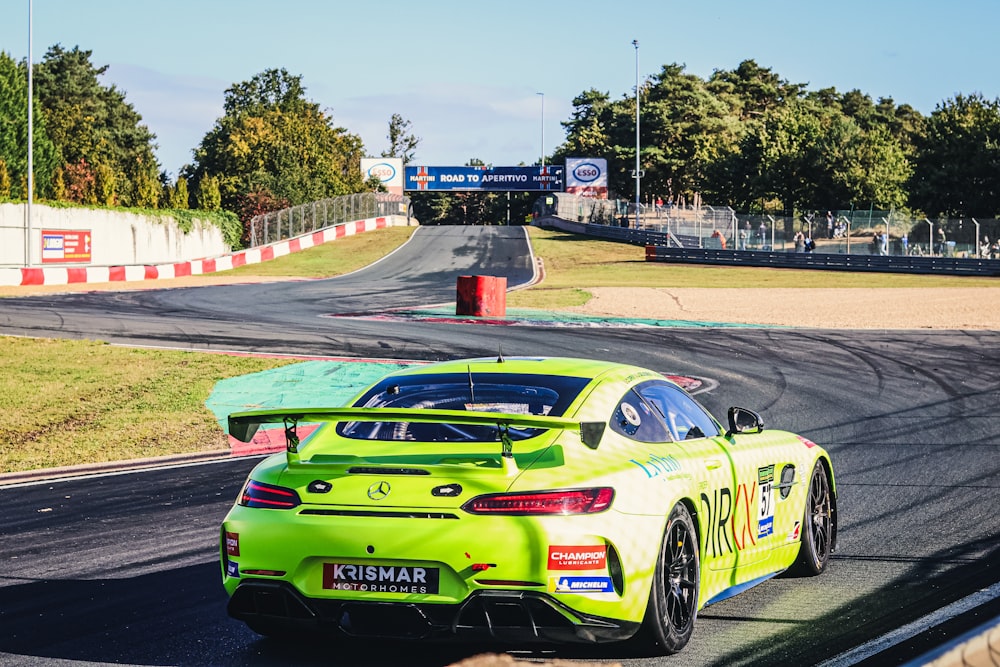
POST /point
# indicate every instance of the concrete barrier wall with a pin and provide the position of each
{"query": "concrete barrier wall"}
(117, 237)
(64, 275)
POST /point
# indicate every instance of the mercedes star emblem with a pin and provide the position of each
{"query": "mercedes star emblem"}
(378, 490)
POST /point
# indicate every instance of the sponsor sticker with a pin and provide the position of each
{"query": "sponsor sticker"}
(631, 414)
(578, 558)
(233, 569)
(765, 501)
(795, 532)
(233, 544)
(580, 585)
(380, 578)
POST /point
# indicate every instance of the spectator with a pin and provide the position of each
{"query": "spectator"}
(905, 244)
(799, 240)
(745, 234)
(829, 225)
(762, 234)
(809, 245)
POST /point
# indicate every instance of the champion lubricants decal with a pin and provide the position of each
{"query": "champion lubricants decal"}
(578, 558)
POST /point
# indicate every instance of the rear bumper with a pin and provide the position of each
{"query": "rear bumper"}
(502, 616)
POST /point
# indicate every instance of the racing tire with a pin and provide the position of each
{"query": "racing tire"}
(673, 597)
(816, 540)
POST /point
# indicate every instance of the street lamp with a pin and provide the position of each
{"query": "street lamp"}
(638, 171)
(31, 169)
(543, 127)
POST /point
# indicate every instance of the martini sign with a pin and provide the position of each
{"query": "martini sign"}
(486, 179)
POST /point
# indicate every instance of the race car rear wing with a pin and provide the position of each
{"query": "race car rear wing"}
(243, 425)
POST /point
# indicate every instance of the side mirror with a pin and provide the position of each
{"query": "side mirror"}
(742, 420)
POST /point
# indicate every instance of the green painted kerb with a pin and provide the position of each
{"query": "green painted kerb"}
(308, 384)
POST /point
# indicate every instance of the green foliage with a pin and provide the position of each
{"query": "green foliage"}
(14, 132)
(4, 180)
(209, 197)
(105, 185)
(749, 139)
(958, 161)
(273, 141)
(226, 221)
(402, 142)
(93, 124)
(177, 195)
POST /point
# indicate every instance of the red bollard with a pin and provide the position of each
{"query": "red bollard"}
(481, 296)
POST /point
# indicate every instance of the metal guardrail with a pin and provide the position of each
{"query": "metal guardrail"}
(827, 262)
(311, 217)
(626, 234)
(658, 249)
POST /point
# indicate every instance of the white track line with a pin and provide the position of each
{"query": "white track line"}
(910, 630)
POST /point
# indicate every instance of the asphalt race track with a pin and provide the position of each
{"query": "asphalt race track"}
(123, 569)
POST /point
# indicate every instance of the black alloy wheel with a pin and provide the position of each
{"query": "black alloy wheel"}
(673, 599)
(817, 525)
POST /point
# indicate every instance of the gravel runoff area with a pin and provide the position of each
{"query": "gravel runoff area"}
(824, 308)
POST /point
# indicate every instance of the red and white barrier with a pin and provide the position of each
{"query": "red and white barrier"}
(62, 275)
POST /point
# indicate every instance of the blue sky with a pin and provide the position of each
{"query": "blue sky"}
(467, 74)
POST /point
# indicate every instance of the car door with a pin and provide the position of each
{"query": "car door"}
(737, 504)
(666, 451)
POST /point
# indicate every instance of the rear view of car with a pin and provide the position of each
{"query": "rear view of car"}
(552, 500)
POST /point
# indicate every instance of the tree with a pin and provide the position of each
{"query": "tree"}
(178, 196)
(93, 123)
(751, 90)
(14, 132)
(209, 197)
(402, 142)
(587, 130)
(683, 129)
(957, 170)
(4, 181)
(273, 141)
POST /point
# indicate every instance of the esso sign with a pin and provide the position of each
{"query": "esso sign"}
(383, 171)
(587, 172)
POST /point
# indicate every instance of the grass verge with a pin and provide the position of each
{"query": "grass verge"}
(574, 262)
(331, 259)
(66, 402)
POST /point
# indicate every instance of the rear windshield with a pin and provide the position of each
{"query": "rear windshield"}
(524, 394)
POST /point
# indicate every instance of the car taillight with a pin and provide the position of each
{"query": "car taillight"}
(573, 501)
(258, 494)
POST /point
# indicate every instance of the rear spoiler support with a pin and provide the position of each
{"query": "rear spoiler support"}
(243, 425)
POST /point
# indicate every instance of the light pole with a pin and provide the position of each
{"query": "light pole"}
(543, 127)
(638, 171)
(31, 170)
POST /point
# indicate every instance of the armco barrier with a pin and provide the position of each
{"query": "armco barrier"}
(625, 234)
(102, 274)
(827, 262)
(657, 250)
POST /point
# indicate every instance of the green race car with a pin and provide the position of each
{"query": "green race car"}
(514, 500)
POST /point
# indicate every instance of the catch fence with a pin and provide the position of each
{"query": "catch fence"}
(848, 232)
(314, 216)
